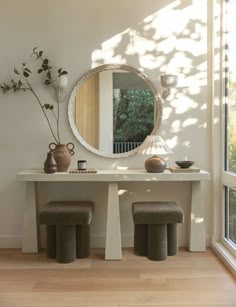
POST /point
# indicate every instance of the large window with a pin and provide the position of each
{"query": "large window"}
(229, 176)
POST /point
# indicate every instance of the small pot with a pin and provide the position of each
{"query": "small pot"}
(82, 165)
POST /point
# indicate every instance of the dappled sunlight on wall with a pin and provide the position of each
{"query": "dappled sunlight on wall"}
(171, 40)
(162, 40)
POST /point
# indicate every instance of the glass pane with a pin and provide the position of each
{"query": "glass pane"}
(230, 210)
(231, 88)
(231, 131)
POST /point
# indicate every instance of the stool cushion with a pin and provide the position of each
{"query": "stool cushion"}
(67, 213)
(156, 213)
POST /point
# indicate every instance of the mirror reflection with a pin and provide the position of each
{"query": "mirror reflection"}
(112, 109)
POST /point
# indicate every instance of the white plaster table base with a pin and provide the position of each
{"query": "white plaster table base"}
(30, 243)
(197, 229)
(113, 249)
(113, 234)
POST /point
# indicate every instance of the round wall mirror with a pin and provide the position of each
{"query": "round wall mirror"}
(112, 108)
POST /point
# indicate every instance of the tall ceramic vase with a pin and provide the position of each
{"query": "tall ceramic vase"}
(62, 154)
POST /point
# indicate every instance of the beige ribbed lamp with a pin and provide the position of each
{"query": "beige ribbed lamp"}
(154, 144)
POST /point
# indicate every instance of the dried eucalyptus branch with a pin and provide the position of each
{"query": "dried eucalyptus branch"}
(24, 84)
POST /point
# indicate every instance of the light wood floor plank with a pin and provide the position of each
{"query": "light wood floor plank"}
(187, 279)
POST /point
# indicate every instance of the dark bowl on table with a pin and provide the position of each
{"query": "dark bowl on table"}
(184, 164)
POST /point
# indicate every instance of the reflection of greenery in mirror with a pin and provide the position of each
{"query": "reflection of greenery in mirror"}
(133, 117)
(112, 109)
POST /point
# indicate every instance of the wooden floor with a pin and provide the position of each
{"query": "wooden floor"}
(188, 279)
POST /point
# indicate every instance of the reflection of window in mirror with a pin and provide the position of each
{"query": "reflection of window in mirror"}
(120, 126)
(133, 116)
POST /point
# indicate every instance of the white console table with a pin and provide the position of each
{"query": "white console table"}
(113, 249)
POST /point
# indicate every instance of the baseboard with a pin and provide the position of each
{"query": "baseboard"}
(208, 240)
(10, 241)
(96, 241)
(127, 240)
(226, 257)
(99, 241)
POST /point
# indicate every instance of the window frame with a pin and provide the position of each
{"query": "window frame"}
(228, 179)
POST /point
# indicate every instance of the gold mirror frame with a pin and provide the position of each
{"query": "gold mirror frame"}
(83, 79)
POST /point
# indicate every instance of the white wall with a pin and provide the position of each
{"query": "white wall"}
(154, 36)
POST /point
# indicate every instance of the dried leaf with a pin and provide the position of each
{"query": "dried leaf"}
(16, 71)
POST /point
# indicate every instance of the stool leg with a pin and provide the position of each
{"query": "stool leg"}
(140, 239)
(51, 241)
(172, 239)
(82, 241)
(66, 243)
(157, 241)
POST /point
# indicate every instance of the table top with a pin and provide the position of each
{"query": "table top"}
(106, 175)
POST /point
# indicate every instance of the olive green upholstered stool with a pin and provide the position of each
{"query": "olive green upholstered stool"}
(155, 229)
(67, 229)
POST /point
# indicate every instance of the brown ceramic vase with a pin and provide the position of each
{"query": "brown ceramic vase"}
(62, 154)
(155, 164)
(50, 165)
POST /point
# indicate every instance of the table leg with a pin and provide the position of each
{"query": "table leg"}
(197, 229)
(113, 233)
(30, 231)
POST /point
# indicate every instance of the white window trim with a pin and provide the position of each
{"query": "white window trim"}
(225, 255)
(220, 245)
